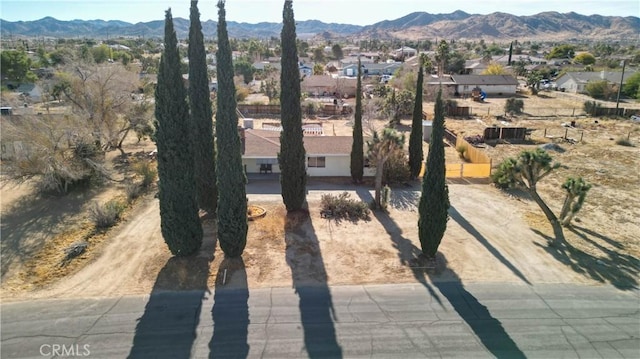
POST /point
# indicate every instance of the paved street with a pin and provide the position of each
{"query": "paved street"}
(421, 320)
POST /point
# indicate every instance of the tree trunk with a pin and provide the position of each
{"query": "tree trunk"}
(566, 206)
(379, 170)
(567, 220)
(557, 227)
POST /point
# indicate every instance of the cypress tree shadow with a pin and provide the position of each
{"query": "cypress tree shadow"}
(29, 221)
(167, 329)
(456, 216)
(407, 252)
(618, 269)
(230, 311)
(310, 282)
(405, 199)
(487, 328)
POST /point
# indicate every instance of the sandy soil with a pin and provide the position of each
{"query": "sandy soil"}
(492, 235)
(485, 240)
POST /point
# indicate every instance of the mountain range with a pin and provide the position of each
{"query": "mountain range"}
(414, 26)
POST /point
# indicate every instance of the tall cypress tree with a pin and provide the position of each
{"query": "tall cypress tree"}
(434, 201)
(179, 219)
(201, 117)
(293, 176)
(357, 147)
(232, 201)
(415, 139)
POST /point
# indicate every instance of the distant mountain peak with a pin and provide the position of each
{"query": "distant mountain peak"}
(455, 25)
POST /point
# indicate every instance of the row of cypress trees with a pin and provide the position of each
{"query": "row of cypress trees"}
(191, 177)
(191, 174)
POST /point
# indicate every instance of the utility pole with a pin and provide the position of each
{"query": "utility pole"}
(624, 63)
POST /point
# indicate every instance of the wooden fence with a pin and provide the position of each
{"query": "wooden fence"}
(474, 154)
(458, 111)
(468, 170)
(259, 110)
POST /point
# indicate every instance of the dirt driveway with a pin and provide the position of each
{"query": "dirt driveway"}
(486, 240)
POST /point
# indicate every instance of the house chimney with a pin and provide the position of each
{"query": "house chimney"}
(242, 138)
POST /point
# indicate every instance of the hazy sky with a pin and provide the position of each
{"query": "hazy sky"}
(358, 12)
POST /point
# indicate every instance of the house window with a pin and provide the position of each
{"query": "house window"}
(317, 162)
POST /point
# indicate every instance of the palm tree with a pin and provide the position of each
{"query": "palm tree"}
(381, 147)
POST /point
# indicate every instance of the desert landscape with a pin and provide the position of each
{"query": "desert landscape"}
(492, 235)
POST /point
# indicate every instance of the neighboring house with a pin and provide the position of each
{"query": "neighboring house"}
(576, 82)
(447, 83)
(327, 156)
(349, 60)
(305, 70)
(120, 47)
(32, 91)
(262, 65)
(501, 85)
(323, 85)
(404, 52)
(373, 69)
(477, 66)
(558, 61)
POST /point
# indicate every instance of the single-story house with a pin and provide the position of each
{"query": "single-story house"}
(262, 65)
(323, 85)
(501, 85)
(447, 83)
(479, 65)
(31, 91)
(372, 69)
(576, 82)
(404, 52)
(327, 156)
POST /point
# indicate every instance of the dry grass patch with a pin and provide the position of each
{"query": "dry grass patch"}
(52, 262)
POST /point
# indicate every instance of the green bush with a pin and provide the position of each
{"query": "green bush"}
(601, 90)
(462, 151)
(591, 107)
(514, 106)
(343, 207)
(624, 142)
(133, 190)
(147, 171)
(108, 214)
(396, 169)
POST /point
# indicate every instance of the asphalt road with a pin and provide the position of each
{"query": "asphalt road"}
(441, 320)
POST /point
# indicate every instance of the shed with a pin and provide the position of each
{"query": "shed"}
(427, 127)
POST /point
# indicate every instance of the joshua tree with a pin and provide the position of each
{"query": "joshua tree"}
(524, 172)
(577, 189)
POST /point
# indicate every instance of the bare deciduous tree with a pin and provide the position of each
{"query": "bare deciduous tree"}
(103, 97)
